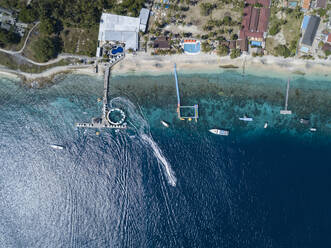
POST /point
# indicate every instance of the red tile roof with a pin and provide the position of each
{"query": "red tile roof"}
(264, 19)
(329, 38)
(255, 20)
(306, 4)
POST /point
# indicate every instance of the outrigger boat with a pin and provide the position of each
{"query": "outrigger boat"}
(164, 123)
(219, 132)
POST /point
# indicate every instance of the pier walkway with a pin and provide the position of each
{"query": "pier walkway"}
(104, 121)
(285, 111)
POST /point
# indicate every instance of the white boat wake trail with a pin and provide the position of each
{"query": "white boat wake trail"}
(140, 125)
(159, 155)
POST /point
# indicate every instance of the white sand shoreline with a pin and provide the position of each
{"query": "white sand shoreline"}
(264, 66)
(144, 64)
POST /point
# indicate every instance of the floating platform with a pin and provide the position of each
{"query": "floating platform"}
(194, 108)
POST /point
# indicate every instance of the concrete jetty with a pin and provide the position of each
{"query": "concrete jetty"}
(286, 111)
(104, 121)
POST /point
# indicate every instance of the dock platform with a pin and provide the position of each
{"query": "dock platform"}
(104, 121)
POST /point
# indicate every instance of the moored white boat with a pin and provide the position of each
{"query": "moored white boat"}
(219, 132)
(304, 121)
(164, 123)
(245, 118)
(57, 147)
(312, 129)
(265, 125)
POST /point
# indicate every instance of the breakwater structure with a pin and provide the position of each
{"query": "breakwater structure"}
(113, 118)
(194, 110)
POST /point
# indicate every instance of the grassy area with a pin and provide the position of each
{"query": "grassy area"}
(80, 41)
(271, 43)
(13, 63)
(209, 25)
(292, 29)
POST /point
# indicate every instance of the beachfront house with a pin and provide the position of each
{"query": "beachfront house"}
(121, 29)
(161, 43)
(310, 33)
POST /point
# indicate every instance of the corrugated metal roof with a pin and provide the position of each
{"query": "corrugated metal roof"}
(144, 14)
(119, 28)
(321, 3)
(129, 38)
(311, 30)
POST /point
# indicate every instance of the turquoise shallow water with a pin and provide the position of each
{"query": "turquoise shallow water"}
(151, 186)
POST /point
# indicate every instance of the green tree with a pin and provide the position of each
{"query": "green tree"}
(274, 29)
(222, 50)
(282, 50)
(206, 8)
(8, 37)
(206, 47)
(46, 48)
(235, 53)
(234, 37)
(28, 15)
(47, 26)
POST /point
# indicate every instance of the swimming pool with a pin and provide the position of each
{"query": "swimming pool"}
(192, 48)
(117, 50)
(305, 22)
(256, 43)
(293, 4)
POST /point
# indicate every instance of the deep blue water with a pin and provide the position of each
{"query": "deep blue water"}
(151, 186)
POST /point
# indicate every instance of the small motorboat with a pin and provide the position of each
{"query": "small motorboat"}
(219, 132)
(164, 123)
(57, 147)
(245, 118)
(265, 125)
(304, 121)
(312, 129)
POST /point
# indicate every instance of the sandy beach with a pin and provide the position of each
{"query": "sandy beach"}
(143, 63)
(266, 65)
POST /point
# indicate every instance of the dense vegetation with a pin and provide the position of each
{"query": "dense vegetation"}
(222, 50)
(235, 53)
(46, 48)
(57, 16)
(8, 37)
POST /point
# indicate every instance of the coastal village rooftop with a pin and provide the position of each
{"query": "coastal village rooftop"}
(255, 21)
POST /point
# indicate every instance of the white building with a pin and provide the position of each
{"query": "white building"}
(122, 29)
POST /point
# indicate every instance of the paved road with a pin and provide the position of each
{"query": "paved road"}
(19, 55)
(25, 42)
